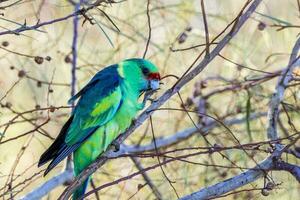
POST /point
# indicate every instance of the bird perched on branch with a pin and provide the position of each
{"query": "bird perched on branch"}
(106, 107)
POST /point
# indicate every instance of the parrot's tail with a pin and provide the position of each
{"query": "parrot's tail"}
(79, 192)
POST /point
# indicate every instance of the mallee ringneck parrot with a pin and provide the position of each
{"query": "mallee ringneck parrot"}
(106, 107)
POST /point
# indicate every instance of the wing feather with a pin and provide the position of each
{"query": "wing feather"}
(97, 105)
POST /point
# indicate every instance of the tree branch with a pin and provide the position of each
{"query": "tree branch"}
(147, 179)
(38, 25)
(232, 183)
(183, 135)
(44, 189)
(161, 143)
(278, 95)
(270, 163)
(293, 169)
(169, 93)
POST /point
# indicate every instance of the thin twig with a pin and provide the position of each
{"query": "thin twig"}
(170, 92)
(277, 97)
(205, 28)
(149, 31)
(147, 178)
(23, 28)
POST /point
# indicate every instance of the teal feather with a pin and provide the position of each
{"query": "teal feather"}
(79, 192)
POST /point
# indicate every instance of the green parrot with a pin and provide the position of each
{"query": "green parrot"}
(105, 109)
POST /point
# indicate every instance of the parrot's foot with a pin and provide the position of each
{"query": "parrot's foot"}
(152, 100)
(148, 95)
(116, 145)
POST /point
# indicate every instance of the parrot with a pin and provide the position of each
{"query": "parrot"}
(106, 107)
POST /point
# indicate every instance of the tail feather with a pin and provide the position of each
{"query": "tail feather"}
(52, 151)
(62, 154)
(59, 150)
(79, 192)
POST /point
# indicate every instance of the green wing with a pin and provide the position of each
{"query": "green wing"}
(91, 114)
(99, 102)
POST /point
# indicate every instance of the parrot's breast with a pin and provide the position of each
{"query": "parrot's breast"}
(127, 111)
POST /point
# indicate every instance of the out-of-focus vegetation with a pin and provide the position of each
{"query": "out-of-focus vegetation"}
(36, 74)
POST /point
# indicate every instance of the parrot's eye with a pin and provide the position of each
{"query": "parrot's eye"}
(145, 71)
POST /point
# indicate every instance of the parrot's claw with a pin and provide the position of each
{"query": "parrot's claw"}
(116, 145)
(152, 100)
(133, 122)
(151, 92)
(147, 96)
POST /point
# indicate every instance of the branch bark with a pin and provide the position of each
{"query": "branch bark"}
(147, 179)
(233, 183)
(23, 28)
(161, 143)
(44, 189)
(183, 135)
(272, 162)
(293, 169)
(278, 95)
(169, 93)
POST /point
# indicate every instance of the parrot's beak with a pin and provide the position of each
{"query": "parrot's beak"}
(153, 81)
(154, 84)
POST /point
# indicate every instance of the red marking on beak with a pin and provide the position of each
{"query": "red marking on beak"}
(152, 76)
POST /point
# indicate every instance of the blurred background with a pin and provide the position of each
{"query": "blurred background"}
(35, 85)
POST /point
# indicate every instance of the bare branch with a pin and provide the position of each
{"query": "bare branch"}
(150, 29)
(39, 25)
(205, 28)
(44, 189)
(278, 95)
(272, 162)
(184, 134)
(147, 178)
(161, 143)
(232, 183)
(145, 115)
(293, 169)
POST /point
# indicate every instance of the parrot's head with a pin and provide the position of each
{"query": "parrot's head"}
(142, 73)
